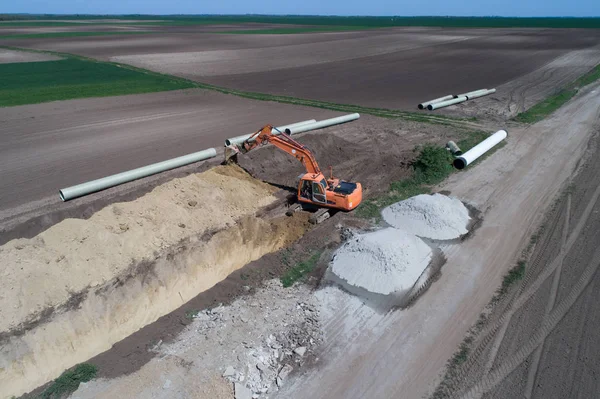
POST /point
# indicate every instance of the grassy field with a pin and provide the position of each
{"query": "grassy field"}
(462, 22)
(68, 34)
(37, 82)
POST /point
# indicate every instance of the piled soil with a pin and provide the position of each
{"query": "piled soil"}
(82, 285)
(77, 253)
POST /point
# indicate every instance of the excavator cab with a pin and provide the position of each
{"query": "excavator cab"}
(331, 193)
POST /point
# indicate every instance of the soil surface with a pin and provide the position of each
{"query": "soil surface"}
(12, 56)
(541, 340)
(46, 147)
(401, 79)
(383, 68)
(402, 354)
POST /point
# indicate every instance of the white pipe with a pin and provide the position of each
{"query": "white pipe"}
(471, 93)
(323, 123)
(240, 139)
(480, 149)
(443, 104)
(437, 100)
(483, 93)
(134, 174)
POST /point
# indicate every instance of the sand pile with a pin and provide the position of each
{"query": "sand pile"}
(383, 262)
(430, 216)
(68, 257)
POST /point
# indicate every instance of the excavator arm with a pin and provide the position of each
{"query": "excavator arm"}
(285, 143)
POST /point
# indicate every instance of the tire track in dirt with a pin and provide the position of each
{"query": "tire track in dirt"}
(495, 333)
(550, 305)
(537, 283)
(489, 381)
(499, 374)
(498, 330)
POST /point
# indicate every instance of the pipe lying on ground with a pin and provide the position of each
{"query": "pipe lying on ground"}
(454, 149)
(468, 157)
(134, 174)
(240, 139)
(481, 94)
(437, 100)
(323, 123)
(470, 94)
(443, 104)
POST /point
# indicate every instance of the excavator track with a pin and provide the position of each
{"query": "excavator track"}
(319, 216)
(293, 209)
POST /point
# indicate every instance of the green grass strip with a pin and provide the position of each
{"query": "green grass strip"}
(69, 34)
(69, 381)
(548, 106)
(370, 21)
(299, 271)
(37, 82)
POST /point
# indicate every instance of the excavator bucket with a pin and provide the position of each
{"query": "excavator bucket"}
(231, 152)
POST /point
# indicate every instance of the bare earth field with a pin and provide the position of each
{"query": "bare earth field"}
(10, 56)
(171, 284)
(364, 352)
(387, 68)
(46, 147)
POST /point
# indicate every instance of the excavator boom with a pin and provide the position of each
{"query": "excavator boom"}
(284, 143)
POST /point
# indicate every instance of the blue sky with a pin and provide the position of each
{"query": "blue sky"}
(519, 8)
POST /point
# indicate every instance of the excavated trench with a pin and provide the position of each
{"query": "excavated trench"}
(74, 290)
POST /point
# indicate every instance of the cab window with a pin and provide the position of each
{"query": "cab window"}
(318, 193)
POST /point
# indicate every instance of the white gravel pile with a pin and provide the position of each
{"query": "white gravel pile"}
(383, 262)
(431, 216)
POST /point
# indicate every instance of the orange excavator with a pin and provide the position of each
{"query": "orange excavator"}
(315, 192)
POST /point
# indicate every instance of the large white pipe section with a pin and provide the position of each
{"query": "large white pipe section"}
(481, 94)
(480, 149)
(443, 104)
(323, 123)
(240, 139)
(134, 174)
(437, 100)
(471, 93)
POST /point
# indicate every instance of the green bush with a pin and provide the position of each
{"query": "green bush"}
(433, 164)
(69, 381)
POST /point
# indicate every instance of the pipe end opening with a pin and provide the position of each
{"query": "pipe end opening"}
(420, 106)
(460, 163)
(430, 107)
(62, 196)
(288, 131)
(227, 142)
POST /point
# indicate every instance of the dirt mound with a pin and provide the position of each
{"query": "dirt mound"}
(383, 262)
(431, 216)
(82, 285)
(46, 270)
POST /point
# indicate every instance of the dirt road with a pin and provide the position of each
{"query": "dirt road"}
(541, 339)
(46, 147)
(402, 354)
